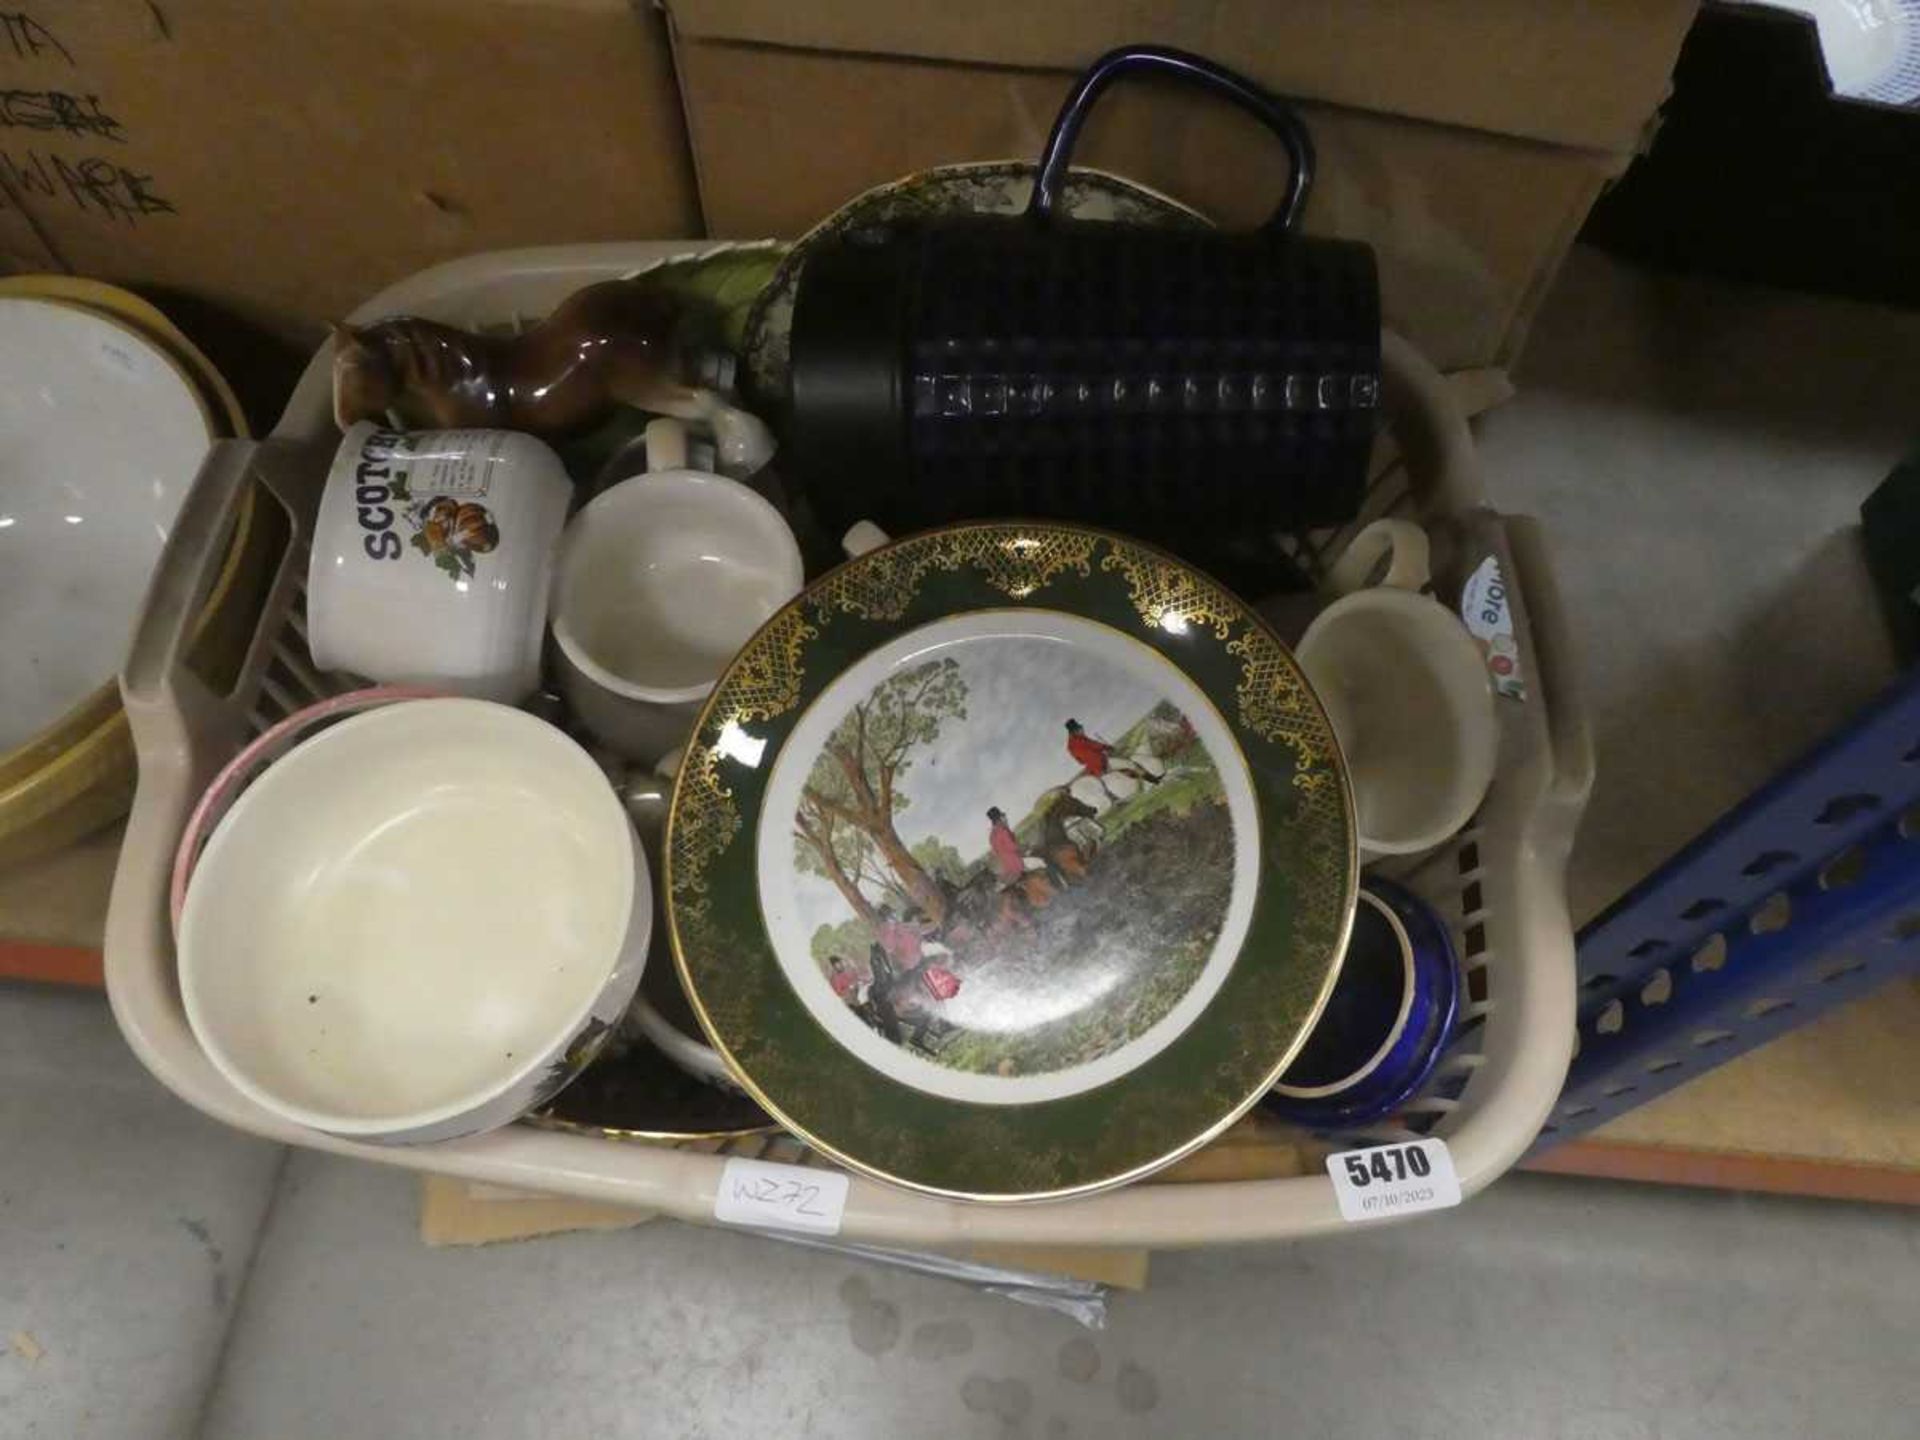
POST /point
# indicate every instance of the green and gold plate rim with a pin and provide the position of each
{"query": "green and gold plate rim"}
(667, 1138)
(1176, 1099)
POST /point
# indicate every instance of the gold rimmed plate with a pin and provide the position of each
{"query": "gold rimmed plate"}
(1010, 862)
(993, 187)
(641, 1095)
(77, 773)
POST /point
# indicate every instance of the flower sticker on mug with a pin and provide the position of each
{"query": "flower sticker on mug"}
(451, 532)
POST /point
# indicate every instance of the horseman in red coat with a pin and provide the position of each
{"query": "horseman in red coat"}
(1096, 758)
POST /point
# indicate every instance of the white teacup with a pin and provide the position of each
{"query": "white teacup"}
(661, 580)
(1407, 691)
(648, 799)
(432, 559)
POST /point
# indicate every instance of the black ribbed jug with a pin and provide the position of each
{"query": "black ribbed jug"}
(1175, 383)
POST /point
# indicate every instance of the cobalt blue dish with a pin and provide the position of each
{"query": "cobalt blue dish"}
(1389, 1017)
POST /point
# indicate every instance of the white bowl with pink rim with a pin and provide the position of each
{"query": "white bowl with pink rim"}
(416, 925)
(246, 767)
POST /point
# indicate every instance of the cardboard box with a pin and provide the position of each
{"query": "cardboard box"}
(454, 1212)
(1465, 141)
(286, 162)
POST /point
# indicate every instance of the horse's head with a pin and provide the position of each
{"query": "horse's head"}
(366, 376)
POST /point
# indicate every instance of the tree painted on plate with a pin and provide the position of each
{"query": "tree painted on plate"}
(845, 819)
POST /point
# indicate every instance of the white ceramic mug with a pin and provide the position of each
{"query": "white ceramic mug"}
(432, 559)
(661, 579)
(648, 800)
(1407, 691)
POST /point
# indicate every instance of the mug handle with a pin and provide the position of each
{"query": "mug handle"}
(1272, 112)
(862, 537)
(1401, 543)
(741, 441)
(666, 441)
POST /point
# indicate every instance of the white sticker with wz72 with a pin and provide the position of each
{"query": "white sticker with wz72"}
(770, 1196)
(1390, 1180)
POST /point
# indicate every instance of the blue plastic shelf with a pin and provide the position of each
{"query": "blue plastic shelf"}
(1801, 898)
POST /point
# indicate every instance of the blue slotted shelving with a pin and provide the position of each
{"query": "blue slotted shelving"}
(1804, 896)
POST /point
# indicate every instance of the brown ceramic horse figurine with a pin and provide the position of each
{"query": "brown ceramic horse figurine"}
(610, 344)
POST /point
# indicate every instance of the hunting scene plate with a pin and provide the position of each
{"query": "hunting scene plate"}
(1010, 862)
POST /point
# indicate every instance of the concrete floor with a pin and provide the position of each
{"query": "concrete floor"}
(160, 1277)
(1546, 1308)
(1699, 454)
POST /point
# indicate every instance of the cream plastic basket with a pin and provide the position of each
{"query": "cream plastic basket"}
(1500, 883)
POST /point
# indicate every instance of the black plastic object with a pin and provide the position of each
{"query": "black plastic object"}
(1760, 173)
(1177, 383)
(1890, 531)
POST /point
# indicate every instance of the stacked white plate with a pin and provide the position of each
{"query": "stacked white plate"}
(106, 412)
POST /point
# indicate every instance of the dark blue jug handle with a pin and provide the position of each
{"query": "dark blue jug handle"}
(1162, 60)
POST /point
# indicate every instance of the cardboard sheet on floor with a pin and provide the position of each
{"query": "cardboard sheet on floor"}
(457, 1212)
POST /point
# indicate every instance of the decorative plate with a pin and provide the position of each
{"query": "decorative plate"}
(1010, 862)
(140, 315)
(995, 187)
(77, 773)
(641, 1095)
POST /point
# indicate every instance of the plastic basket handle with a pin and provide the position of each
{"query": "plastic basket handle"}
(156, 678)
(1162, 60)
(192, 552)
